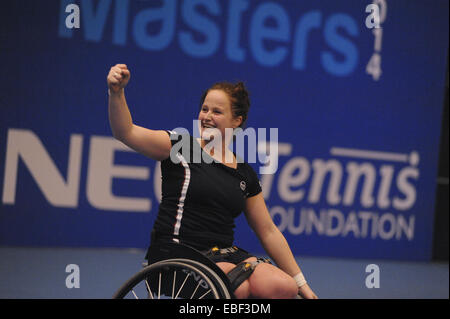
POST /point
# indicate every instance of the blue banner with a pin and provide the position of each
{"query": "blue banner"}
(353, 89)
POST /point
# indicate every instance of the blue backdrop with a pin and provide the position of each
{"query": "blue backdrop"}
(357, 107)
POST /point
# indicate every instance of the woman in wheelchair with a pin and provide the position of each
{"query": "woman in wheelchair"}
(205, 187)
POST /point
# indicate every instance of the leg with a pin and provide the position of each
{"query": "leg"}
(270, 282)
(243, 291)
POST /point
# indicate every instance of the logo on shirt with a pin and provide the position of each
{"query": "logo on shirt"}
(242, 185)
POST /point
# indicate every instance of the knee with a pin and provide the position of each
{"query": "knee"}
(243, 291)
(289, 288)
(272, 283)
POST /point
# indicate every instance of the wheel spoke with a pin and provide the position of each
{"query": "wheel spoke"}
(205, 294)
(134, 294)
(182, 285)
(173, 284)
(148, 288)
(159, 286)
(195, 290)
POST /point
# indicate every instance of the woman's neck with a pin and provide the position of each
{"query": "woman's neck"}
(218, 151)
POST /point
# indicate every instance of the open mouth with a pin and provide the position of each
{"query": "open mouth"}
(207, 126)
(208, 131)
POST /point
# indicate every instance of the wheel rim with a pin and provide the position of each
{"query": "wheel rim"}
(169, 279)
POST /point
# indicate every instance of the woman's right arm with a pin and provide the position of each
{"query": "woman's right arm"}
(152, 143)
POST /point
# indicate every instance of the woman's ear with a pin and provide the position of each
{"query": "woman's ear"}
(237, 121)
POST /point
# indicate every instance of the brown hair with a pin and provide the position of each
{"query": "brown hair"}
(239, 97)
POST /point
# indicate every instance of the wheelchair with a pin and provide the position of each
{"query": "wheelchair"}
(177, 271)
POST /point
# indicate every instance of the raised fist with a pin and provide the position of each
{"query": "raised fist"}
(118, 77)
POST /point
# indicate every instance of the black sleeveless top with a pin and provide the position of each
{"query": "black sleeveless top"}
(200, 196)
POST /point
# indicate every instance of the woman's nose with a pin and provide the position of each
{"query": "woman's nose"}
(208, 115)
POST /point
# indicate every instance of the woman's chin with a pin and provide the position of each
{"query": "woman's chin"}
(208, 134)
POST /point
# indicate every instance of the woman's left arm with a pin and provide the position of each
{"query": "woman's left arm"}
(272, 239)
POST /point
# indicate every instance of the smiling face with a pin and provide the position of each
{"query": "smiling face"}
(216, 114)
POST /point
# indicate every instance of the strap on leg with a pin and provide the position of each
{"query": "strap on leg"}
(242, 272)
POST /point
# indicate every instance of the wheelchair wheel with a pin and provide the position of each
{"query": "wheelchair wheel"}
(174, 279)
(221, 286)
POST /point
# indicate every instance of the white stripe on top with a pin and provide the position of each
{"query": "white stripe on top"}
(187, 179)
